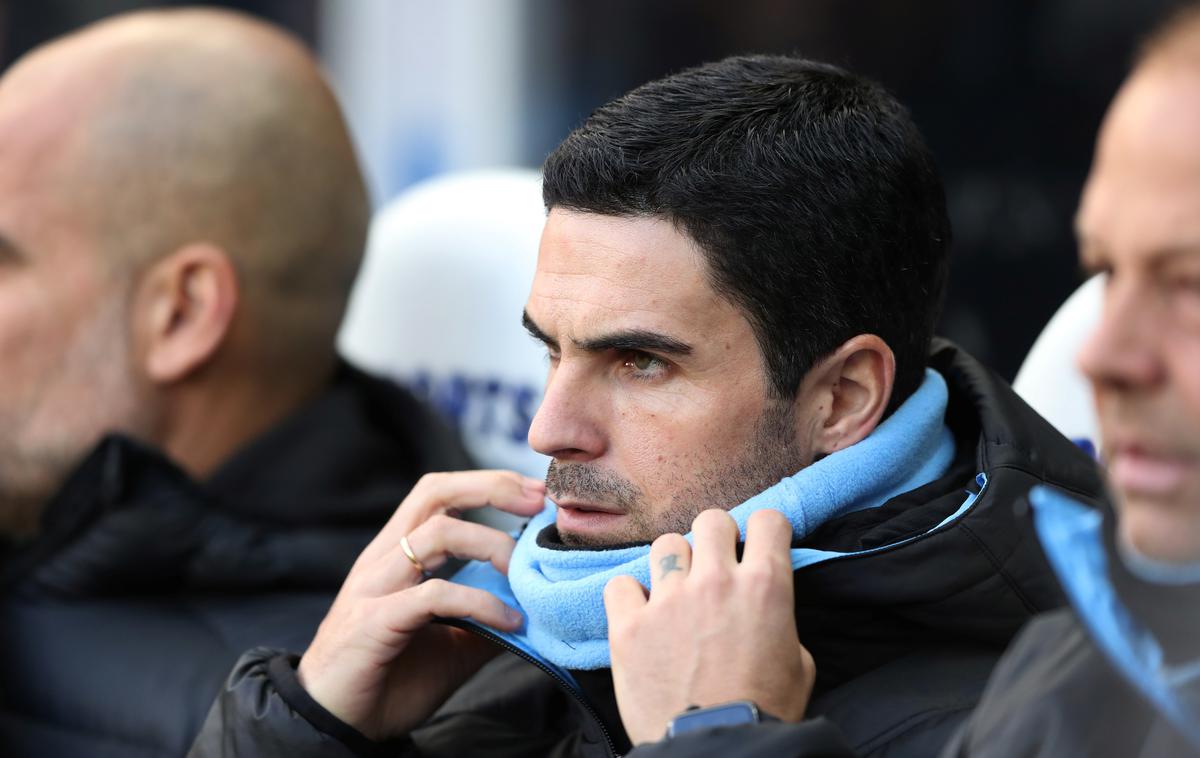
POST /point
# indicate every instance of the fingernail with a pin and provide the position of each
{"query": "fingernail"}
(513, 616)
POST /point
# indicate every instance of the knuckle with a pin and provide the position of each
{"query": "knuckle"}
(426, 490)
(713, 518)
(431, 589)
(508, 477)
(764, 581)
(431, 480)
(621, 634)
(622, 630)
(505, 544)
(617, 585)
(670, 542)
(440, 524)
(769, 520)
(714, 585)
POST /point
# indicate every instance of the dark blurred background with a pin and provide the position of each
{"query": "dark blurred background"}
(1008, 92)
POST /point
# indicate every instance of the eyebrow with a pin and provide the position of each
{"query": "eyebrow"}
(622, 341)
(1094, 256)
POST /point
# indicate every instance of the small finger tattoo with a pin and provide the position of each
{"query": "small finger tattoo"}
(670, 563)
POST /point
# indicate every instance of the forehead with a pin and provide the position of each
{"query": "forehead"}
(599, 272)
(1143, 193)
(43, 124)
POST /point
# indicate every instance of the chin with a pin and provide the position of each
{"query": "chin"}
(584, 540)
(1161, 533)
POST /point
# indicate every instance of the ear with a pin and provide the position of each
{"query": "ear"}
(846, 393)
(184, 309)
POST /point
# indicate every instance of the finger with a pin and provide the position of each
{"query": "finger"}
(462, 490)
(443, 537)
(623, 596)
(670, 560)
(767, 562)
(768, 540)
(433, 543)
(405, 612)
(714, 538)
(456, 491)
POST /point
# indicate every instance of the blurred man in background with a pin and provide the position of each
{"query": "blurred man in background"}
(1119, 673)
(186, 467)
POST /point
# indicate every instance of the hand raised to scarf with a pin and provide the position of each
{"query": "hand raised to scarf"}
(713, 630)
(376, 662)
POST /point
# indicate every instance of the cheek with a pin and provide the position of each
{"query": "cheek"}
(39, 328)
(28, 337)
(1184, 367)
(670, 443)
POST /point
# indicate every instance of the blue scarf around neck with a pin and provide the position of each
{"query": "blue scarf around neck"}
(561, 591)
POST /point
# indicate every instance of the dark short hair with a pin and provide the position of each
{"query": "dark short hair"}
(810, 191)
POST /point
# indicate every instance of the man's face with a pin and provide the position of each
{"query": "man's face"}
(656, 405)
(65, 373)
(1139, 220)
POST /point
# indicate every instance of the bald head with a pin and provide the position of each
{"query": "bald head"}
(173, 127)
(1175, 40)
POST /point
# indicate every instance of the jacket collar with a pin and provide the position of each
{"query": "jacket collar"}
(292, 509)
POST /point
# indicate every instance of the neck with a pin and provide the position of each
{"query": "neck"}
(211, 421)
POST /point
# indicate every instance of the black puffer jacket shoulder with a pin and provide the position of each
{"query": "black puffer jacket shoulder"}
(121, 620)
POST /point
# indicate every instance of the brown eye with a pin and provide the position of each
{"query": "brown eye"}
(644, 367)
(643, 362)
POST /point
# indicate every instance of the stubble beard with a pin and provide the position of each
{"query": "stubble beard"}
(771, 455)
(45, 439)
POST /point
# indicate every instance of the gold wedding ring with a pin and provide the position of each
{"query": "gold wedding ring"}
(408, 553)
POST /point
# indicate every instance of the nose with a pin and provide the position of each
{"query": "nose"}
(1123, 350)
(568, 425)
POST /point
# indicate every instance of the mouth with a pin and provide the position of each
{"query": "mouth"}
(587, 518)
(1137, 469)
(585, 507)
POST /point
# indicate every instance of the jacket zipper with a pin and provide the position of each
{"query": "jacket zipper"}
(558, 679)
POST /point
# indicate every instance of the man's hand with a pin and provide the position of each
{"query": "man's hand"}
(712, 630)
(376, 662)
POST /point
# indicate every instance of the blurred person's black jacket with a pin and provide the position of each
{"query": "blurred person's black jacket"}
(120, 621)
(904, 638)
(1057, 693)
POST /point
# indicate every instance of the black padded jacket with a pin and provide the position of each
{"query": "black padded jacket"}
(1058, 692)
(120, 621)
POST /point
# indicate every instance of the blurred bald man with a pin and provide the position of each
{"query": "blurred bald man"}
(187, 469)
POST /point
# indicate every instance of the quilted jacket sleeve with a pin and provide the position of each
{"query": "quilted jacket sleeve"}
(264, 711)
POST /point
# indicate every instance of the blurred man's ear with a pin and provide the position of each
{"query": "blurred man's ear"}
(183, 311)
(847, 392)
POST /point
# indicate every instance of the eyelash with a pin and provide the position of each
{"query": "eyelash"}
(659, 369)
